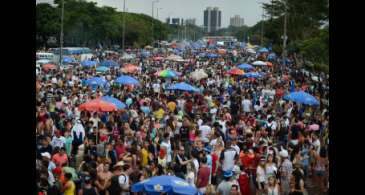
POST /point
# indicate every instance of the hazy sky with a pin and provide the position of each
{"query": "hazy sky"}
(250, 10)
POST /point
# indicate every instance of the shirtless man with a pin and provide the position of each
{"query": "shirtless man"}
(103, 178)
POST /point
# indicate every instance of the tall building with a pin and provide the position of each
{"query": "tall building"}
(175, 21)
(190, 21)
(168, 20)
(236, 21)
(212, 19)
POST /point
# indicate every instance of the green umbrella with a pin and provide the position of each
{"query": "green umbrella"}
(72, 171)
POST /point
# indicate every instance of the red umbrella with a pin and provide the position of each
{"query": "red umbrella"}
(236, 71)
(97, 105)
(47, 67)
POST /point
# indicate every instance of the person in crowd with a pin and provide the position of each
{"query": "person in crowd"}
(69, 188)
(239, 130)
(60, 158)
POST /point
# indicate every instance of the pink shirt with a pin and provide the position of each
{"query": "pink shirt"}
(59, 160)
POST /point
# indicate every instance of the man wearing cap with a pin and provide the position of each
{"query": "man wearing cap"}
(286, 170)
(224, 188)
(47, 157)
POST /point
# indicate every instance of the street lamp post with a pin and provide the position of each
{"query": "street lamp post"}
(61, 34)
(123, 33)
(285, 36)
(158, 19)
(153, 8)
(262, 29)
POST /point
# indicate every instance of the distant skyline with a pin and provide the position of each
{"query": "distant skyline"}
(250, 10)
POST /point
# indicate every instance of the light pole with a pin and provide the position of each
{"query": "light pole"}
(285, 36)
(157, 12)
(153, 8)
(158, 19)
(61, 35)
(123, 33)
(262, 29)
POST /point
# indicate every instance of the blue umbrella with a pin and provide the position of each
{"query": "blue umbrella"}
(127, 80)
(263, 50)
(88, 63)
(109, 63)
(120, 105)
(202, 55)
(95, 81)
(102, 69)
(67, 59)
(245, 66)
(183, 87)
(212, 55)
(302, 98)
(252, 75)
(167, 184)
(271, 56)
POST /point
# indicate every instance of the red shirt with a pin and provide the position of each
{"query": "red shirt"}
(203, 176)
(244, 182)
(247, 160)
(120, 150)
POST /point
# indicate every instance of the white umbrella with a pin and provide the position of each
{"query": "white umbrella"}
(251, 51)
(175, 58)
(198, 74)
(43, 61)
(127, 57)
(259, 63)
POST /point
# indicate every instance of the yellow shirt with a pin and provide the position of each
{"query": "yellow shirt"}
(159, 113)
(71, 190)
(171, 106)
(144, 156)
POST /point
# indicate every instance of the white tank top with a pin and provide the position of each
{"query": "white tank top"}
(273, 191)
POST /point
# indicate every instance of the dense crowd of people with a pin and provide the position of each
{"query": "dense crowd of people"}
(237, 136)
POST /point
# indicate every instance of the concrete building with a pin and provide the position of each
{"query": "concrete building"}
(168, 20)
(236, 21)
(175, 21)
(190, 21)
(212, 19)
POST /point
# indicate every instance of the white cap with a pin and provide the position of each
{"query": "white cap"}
(46, 154)
(284, 153)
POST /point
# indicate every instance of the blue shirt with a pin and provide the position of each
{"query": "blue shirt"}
(146, 110)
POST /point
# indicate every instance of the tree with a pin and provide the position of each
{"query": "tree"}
(47, 23)
(86, 24)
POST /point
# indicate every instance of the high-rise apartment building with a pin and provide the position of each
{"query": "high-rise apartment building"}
(236, 21)
(212, 19)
